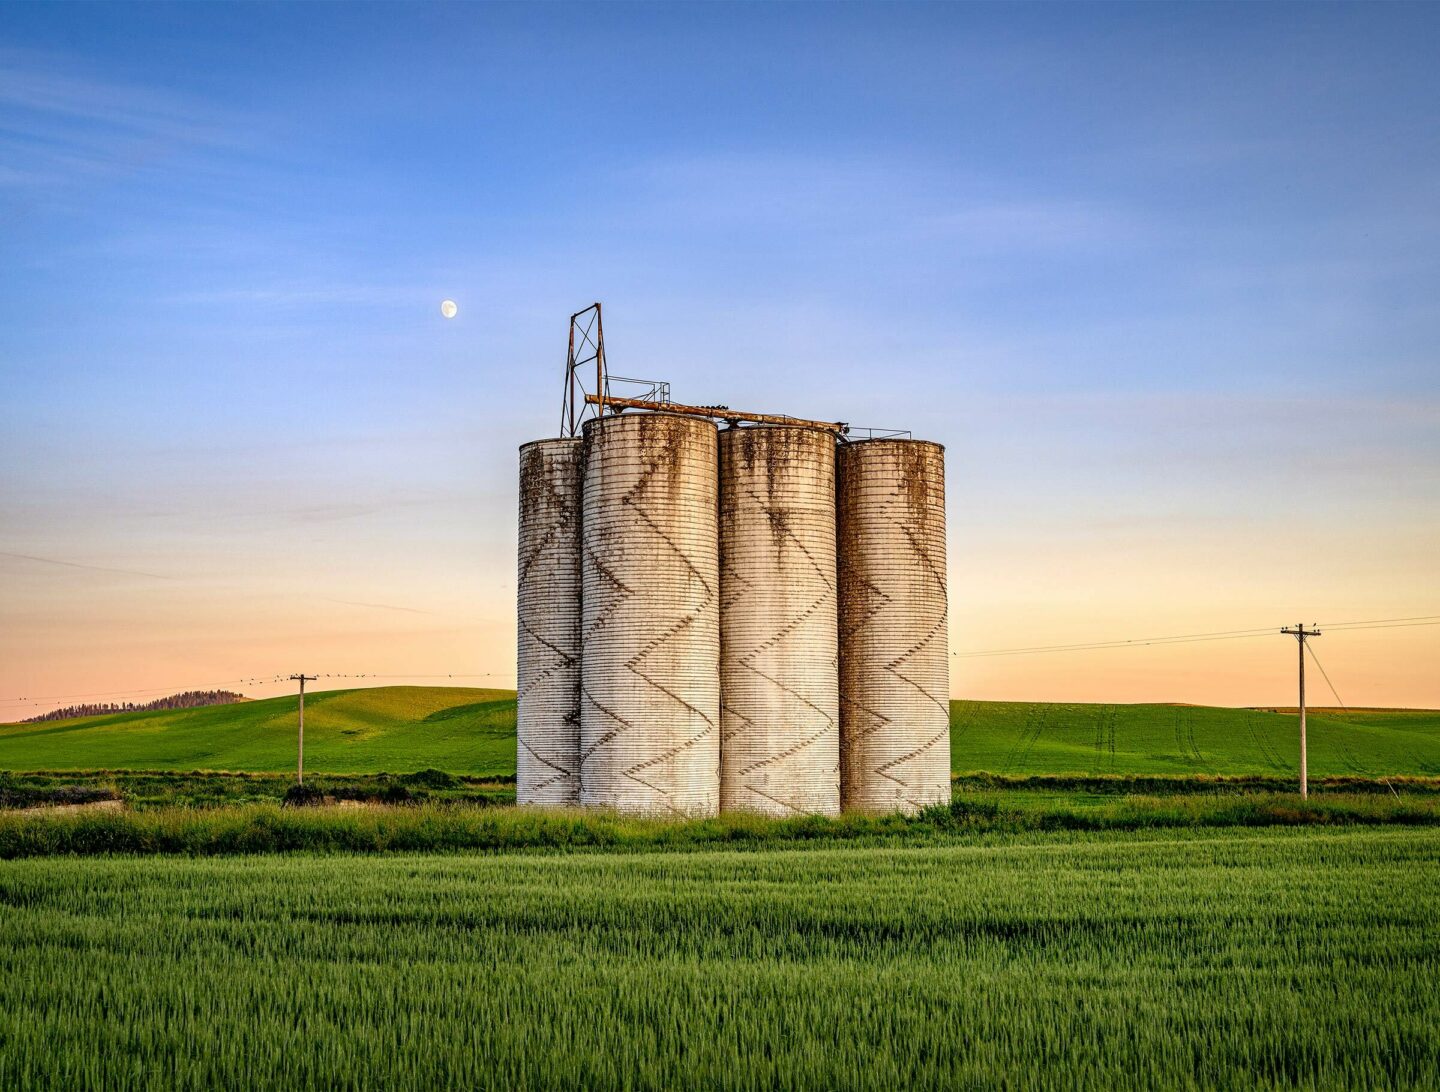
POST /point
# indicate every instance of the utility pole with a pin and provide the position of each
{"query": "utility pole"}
(300, 754)
(1300, 633)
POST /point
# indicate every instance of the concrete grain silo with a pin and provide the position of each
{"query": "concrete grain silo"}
(779, 715)
(650, 693)
(547, 715)
(894, 646)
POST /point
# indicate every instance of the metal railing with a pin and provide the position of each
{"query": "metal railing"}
(856, 432)
(642, 390)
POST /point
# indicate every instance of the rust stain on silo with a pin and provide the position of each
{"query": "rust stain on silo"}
(894, 647)
(650, 696)
(548, 653)
(779, 711)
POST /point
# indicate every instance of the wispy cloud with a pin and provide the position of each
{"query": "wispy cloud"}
(1033, 224)
(879, 198)
(58, 124)
(377, 606)
(83, 565)
(759, 189)
(326, 513)
(308, 294)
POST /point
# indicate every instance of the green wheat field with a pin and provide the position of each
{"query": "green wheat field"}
(1289, 958)
(1120, 897)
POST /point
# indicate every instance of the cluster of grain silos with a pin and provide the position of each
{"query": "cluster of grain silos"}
(737, 619)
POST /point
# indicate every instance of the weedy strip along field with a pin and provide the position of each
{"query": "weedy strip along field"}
(204, 789)
(150, 789)
(975, 812)
(1276, 958)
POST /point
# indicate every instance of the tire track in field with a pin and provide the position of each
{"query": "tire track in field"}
(1030, 731)
(1267, 754)
(1190, 737)
(1347, 756)
(1179, 736)
(961, 719)
(1023, 741)
(1040, 721)
(959, 725)
(1009, 763)
(1105, 721)
(1186, 746)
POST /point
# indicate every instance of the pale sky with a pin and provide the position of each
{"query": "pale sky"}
(1164, 280)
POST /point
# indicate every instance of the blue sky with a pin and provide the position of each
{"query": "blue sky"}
(1163, 279)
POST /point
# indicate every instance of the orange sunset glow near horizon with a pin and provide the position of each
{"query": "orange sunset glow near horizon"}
(279, 304)
(358, 611)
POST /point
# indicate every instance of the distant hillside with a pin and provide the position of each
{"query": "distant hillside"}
(468, 731)
(392, 728)
(189, 699)
(1032, 737)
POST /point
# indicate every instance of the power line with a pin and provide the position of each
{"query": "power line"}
(1188, 638)
(1087, 646)
(442, 675)
(1341, 701)
(1397, 625)
(1373, 621)
(1326, 676)
(257, 680)
(1123, 643)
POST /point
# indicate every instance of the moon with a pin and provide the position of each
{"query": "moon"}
(448, 309)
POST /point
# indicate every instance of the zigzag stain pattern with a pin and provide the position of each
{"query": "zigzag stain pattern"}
(650, 708)
(778, 666)
(547, 654)
(894, 647)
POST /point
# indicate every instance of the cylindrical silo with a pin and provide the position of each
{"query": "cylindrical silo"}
(547, 660)
(650, 679)
(779, 698)
(894, 646)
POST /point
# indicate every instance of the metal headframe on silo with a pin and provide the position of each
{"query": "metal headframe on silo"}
(587, 347)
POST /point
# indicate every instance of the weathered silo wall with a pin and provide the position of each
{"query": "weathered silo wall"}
(650, 689)
(779, 715)
(894, 646)
(547, 715)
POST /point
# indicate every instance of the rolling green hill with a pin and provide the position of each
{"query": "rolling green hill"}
(390, 728)
(468, 731)
(1027, 738)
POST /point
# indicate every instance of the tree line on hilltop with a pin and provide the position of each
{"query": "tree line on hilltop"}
(190, 699)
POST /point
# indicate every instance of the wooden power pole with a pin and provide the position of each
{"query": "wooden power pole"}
(1300, 633)
(300, 754)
